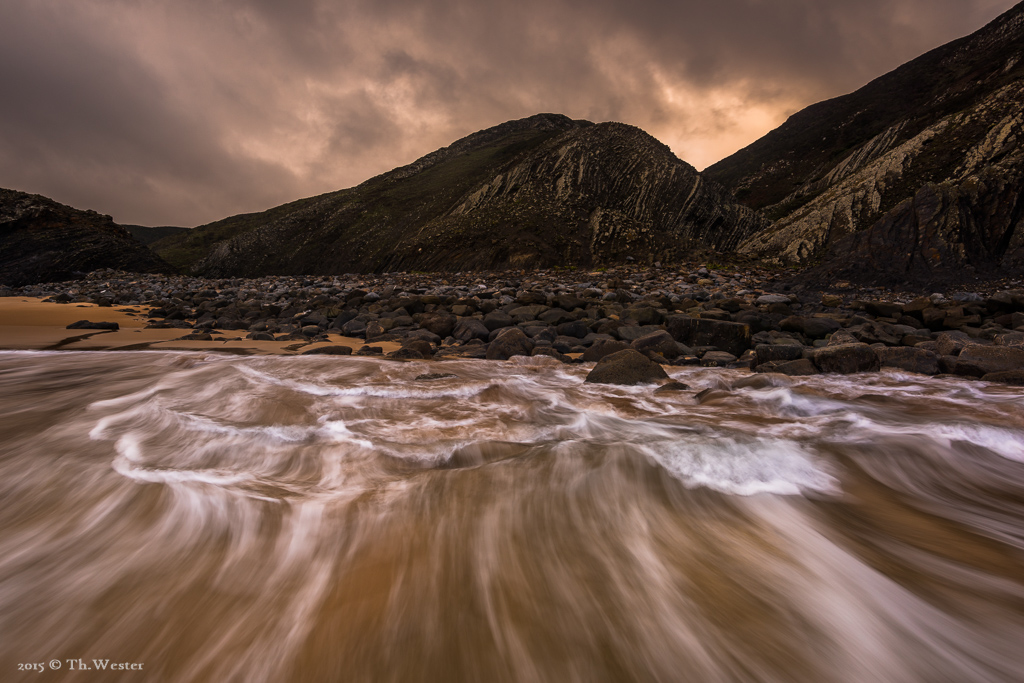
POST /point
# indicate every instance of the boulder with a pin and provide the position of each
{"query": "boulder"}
(343, 318)
(420, 346)
(951, 343)
(405, 353)
(883, 309)
(845, 359)
(374, 331)
(797, 368)
(910, 359)
(660, 342)
(717, 359)
(569, 302)
(724, 336)
(842, 337)
(470, 328)
(602, 348)
(815, 328)
(354, 328)
(497, 319)
(1014, 377)
(766, 299)
(555, 316)
(765, 353)
(441, 324)
(509, 342)
(576, 328)
(626, 367)
(425, 335)
(672, 386)
(527, 313)
(976, 360)
(334, 350)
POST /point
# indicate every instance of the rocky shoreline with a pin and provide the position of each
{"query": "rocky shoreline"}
(698, 315)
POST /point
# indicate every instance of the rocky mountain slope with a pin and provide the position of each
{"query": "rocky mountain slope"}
(537, 192)
(148, 235)
(43, 241)
(916, 176)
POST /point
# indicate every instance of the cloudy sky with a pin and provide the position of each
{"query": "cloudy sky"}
(180, 112)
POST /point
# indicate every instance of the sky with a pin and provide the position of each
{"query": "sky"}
(182, 112)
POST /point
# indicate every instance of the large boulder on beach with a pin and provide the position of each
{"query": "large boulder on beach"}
(354, 328)
(659, 342)
(496, 320)
(815, 328)
(766, 353)
(846, 359)
(627, 367)
(1014, 377)
(576, 328)
(796, 368)
(724, 336)
(601, 348)
(908, 358)
(441, 324)
(333, 350)
(976, 360)
(470, 328)
(510, 342)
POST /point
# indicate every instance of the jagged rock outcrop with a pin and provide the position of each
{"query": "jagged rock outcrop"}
(538, 192)
(43, 241)
(917, 176)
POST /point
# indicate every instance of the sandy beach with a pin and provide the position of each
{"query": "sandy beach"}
(29, 323)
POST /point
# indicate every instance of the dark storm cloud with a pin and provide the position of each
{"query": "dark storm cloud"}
(181, 111)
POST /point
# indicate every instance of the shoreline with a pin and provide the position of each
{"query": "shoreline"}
(711, 316)
(32, 324)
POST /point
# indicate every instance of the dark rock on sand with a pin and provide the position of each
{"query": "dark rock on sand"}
(1014, 377)
(717, 359)
(846, 359)
(724, 336)
(602, 348)
(659, 342)
(797, 368)
(405, 353)
(777, 352)
(470, 328)
(510, 342)
(335, 350)
(976, 360)
(626, 367)
(89, 325)
(910, 359)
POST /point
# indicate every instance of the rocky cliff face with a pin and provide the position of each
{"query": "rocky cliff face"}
(537, 192)
(915, 176)
(43, 241)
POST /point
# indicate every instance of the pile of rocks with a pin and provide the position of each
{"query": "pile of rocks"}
(726, 318)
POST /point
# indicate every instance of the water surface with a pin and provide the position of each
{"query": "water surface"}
(325, 519)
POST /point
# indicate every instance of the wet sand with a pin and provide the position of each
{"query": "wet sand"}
(30, 324)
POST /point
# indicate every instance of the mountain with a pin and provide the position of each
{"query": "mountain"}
(537, 192)
(148, 235)
(43, 241)
(916, 176)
